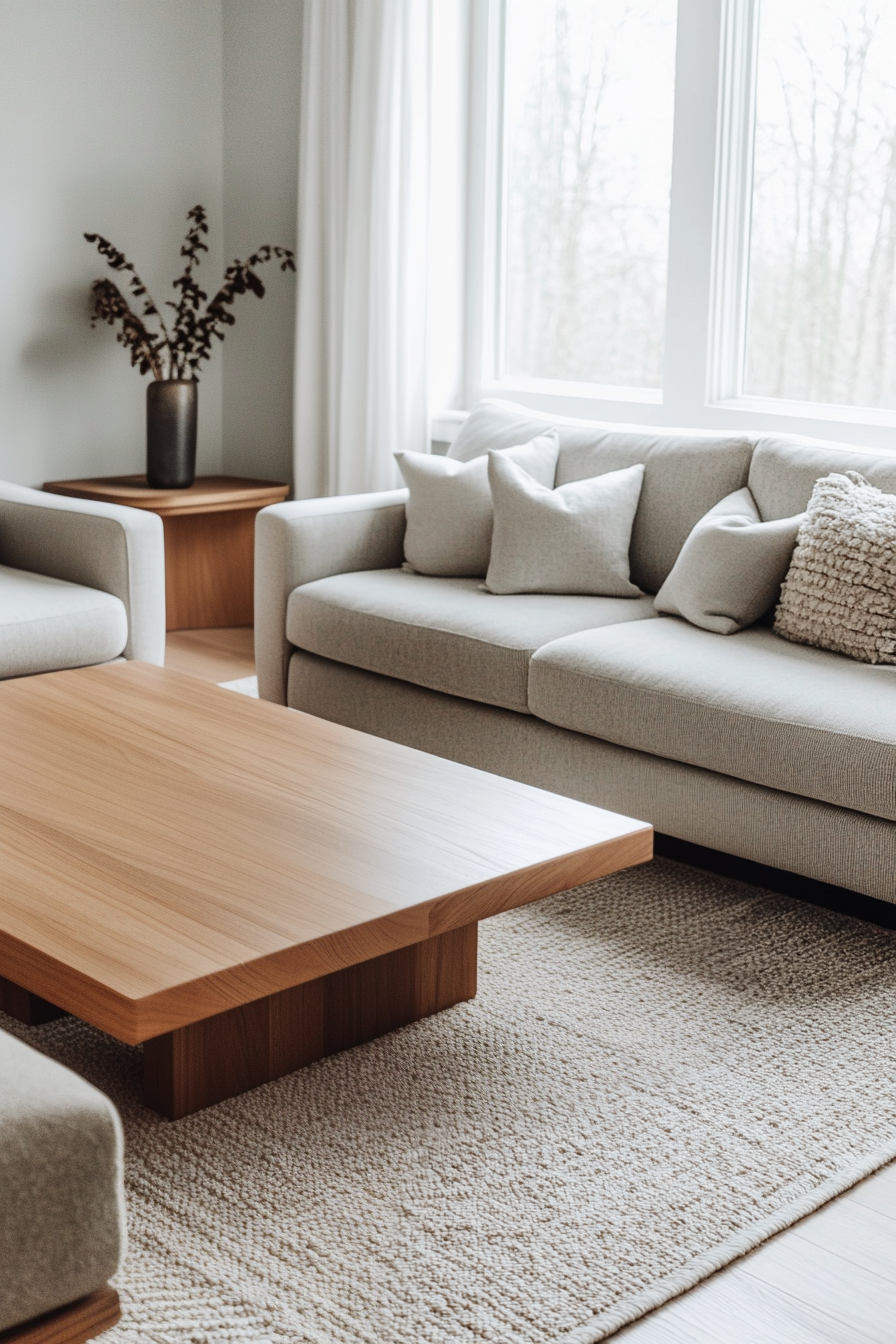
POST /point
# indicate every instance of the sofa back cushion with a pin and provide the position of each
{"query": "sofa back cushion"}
(685, 474)
(783, 471)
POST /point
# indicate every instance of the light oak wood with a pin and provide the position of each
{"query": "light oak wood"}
(170, 850)
(213, 655)
(223, 1056)
(208, 494)
(74, 1324)
(209, 540)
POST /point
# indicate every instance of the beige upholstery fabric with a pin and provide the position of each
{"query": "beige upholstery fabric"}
(840, 591)
(752, 706)
(116, 550)
(308, 539)
(731, 567)
(442, 633)
(783, 472)
(574, 539)
(686, 472)
(47, 624)
(801, 835)
(449, 508)
(61, 1197)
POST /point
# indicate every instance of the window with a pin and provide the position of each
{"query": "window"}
(822, 286)
(588, 112)
(683, 213)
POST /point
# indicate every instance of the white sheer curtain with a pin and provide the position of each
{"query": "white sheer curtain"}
(361, 347)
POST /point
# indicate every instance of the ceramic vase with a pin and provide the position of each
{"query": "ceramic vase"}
(171, 433)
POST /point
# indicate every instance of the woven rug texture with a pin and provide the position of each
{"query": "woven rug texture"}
(659, 1071)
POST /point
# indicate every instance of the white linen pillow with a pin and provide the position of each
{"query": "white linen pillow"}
(449, 509)
(574, 539)
(730, 569)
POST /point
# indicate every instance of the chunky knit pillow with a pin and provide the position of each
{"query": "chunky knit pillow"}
(840, 590)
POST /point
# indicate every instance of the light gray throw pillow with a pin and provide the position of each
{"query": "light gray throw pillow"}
(574, 539)
(729, 571)
(449, 509)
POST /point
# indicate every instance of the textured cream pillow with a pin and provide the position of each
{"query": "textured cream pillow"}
(730, 569)
(574, 539)
(840, 590)
(449, 508)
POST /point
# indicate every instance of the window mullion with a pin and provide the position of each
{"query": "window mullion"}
(692, 209)
(734, 193)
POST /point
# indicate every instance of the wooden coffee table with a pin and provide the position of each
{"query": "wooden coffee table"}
(244, 888)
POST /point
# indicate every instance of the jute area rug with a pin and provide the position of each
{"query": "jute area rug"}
(660, 1070)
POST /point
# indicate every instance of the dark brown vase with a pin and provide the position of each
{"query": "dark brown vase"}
(171, 433)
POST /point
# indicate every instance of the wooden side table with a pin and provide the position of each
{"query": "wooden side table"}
(209, 540)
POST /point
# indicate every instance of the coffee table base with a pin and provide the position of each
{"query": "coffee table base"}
(225, 1055)
(222, 1056)
(25, 1006)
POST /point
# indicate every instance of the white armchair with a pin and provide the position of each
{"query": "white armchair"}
(80, 583)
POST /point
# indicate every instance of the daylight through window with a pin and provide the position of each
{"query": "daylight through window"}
(822, 291)
(588, 113)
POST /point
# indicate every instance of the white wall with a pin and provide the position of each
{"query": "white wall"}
(110, 121)
(262, 65)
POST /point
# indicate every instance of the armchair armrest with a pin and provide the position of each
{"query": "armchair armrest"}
(105, 546)
(309, 539)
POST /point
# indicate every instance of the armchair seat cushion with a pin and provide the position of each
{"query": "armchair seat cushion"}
(48, 624)
(445, 634)
(749, 705)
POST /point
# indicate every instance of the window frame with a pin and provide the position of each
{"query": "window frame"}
(709, 235)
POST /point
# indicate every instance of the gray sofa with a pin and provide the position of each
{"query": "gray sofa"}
(767, 750)
(62, 1226)
(80, 583)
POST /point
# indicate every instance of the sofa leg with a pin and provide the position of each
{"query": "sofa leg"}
(73, 1324)
(28, 1008)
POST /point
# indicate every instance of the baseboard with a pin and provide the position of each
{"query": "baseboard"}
(775, 879)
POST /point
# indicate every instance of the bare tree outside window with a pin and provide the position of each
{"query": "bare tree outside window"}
(589, 88)
(822, 288)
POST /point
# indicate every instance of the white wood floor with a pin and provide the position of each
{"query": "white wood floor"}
(830, 1279)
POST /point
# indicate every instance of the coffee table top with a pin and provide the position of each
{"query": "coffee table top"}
(169, 849)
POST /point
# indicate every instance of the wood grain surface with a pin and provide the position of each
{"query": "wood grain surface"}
(75, 1324)
(222, 1056)
(207, 494)
(170, 850)
(209, 569)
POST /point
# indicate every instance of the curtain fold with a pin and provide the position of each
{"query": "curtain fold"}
(361, 325)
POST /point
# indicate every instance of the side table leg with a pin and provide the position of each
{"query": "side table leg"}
(25, 1006)
(222, 1056)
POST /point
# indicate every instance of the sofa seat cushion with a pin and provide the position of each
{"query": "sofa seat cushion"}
(47, 624)
(445, 634)
(750, 705)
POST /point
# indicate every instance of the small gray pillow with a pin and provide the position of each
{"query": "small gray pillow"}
(730, 570)
(449, 509)
(574, 539)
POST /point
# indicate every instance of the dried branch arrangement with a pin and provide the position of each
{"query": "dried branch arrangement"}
(176, 351)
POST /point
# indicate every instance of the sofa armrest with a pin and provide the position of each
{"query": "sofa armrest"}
(311, 539)
(105, 546)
